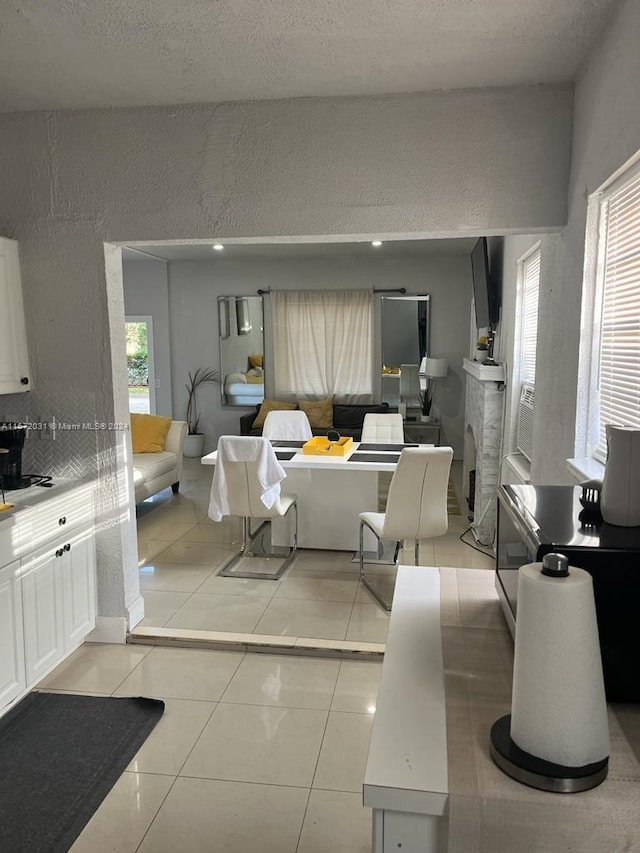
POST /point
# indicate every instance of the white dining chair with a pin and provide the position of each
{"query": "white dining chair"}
(382, 429)
(416, 505)
(410, 385)
(283, 425)
(246, 483)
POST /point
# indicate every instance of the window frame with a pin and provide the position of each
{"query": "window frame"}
(521, 278)
(588, 433)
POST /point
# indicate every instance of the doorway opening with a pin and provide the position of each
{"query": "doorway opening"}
(140, 372)
(180, 550)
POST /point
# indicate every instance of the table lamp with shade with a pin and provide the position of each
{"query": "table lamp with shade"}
(431, 368)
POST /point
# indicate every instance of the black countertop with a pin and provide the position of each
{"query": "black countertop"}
(556, 516)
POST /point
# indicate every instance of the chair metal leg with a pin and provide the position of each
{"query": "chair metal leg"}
(363, 577)
(226, 570)
(416, 555)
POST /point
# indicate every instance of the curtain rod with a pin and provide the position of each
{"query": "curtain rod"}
(375, 290)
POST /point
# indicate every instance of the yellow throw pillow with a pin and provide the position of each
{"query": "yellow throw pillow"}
(256, 360)
(149, 433)
(271, 406)
(319, 412)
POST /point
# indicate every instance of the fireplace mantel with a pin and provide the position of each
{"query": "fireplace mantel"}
(484, 372)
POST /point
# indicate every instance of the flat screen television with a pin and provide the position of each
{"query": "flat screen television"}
(485, 293)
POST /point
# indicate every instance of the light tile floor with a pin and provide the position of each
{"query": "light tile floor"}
(255, 753)
(320, 596)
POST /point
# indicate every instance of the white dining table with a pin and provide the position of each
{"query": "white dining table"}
(332, 491)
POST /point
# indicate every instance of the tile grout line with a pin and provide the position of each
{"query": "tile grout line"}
(315, 769)
(157, 812)
(213, 710)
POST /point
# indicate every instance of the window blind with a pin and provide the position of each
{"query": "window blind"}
(619, 359)
(529, 328)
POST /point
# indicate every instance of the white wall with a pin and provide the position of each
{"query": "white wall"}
(146, 292)
(606, 133)
(431, 165)
(195, 287)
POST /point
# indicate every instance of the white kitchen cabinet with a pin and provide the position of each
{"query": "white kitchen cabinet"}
(48, 590)
(58, 601)
(14, 358)
(12, 672)
(78, 568)
(42, 613)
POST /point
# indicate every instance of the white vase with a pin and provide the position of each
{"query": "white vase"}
(193, 445)
(620, 496)
(482, 355)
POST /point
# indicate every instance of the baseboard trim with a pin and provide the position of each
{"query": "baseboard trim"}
(109, 629)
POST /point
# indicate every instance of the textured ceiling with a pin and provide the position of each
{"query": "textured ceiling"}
(83, 53)
(279, 251)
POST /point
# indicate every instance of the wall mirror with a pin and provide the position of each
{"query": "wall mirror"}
(241, 350)
(405, 339)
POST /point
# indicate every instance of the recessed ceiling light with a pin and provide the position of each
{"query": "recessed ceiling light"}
(376, 243)
(218, 247)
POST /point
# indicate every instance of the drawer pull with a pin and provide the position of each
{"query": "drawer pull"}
(62, 520)
(59, 552)
(67, 547)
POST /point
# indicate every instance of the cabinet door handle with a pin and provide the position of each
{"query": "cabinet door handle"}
(25, 380)
(62, 520)
(67, 547)
(59, 552)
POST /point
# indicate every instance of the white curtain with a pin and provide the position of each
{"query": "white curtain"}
(323, 345)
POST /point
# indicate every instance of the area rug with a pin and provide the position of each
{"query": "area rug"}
(60, 755)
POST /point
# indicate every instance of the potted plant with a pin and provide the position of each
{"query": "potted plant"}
(426, 401)
(482, 348)
(194, 442)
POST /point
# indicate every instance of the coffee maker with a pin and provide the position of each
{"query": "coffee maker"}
(12, 437)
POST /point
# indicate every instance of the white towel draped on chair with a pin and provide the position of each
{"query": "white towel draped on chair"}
(233, 448)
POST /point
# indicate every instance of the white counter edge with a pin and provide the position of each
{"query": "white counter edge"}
(407, 768)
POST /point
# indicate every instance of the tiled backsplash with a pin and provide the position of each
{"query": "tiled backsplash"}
(63, 437)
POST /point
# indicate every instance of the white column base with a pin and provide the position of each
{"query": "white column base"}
(109, 629)
(136, 612)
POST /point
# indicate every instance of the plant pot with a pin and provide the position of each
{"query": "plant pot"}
(425, 419)
(482, 355)
(193, 445)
